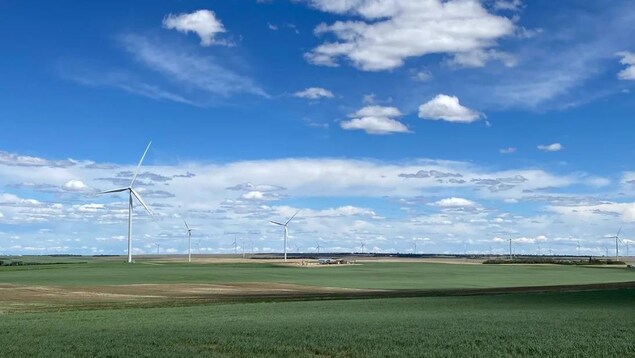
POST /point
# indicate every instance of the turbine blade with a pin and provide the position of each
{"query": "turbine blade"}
(618, 232)
(136, 195)
(139, 165)
(113, 191)
(296, 213)
(186, 225)
(277, 223)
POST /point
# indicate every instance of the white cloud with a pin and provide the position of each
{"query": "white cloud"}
(392, 31)
(202, 22)
(314, 93)
(454, 202)
(375, 120)
(508, 150)
(12, 159)
(75, 185)
(422, 76)
(554, 147)
(628, 59)
(219, 197)
(510, 5)
(448, 108)
(192, 71)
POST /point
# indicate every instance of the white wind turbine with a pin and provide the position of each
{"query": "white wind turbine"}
(317, 246)
(131, 193)
(617, 245)
(286, 232)
(189, 241)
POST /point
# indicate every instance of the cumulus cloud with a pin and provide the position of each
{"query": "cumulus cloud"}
(509, 5)
(448, 108)
(386, 33)
(554, 147)
(234, 196)
(628, 59)
(454, 202)
(375, 120)
(430, 174)
(75, 185)
(202, 22)
(314, 93)
(422, 76)
(14, 200)
(13, 159)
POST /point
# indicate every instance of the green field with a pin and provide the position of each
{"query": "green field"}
(573, 324)
(589, 324)
(396, 275)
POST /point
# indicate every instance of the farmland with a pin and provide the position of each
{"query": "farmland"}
(153, 308)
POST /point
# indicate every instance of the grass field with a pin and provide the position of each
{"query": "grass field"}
(585, 324)
(82, 310)
(397, 275)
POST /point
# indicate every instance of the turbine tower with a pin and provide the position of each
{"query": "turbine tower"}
(511, 254)
(189, 241)
(132, 193)
(286, 232)
(617, 246)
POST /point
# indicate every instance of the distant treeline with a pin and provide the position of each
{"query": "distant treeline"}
(556, 261)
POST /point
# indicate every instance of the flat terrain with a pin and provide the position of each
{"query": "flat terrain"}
(572, 324)
(230, 307)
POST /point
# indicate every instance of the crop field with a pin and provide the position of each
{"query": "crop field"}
(158, 308)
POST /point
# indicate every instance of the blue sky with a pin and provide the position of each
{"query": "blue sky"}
(388, 122)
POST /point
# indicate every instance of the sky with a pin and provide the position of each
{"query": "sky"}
(452, 126)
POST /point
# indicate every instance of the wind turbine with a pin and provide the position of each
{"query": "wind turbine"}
(158, 247)
(286, 232)
(189, 241)
(235, 246)
(132, 193)
(617, 246)
(511, 255)
(361, 246)
(578, 247)
(318, 247)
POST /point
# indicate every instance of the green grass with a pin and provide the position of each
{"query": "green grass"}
(586, 324)
(368, 275)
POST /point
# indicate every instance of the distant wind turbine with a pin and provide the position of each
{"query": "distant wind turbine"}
(235, 246)
(362, 246)
(286, 232)
(511, 254)
(317, 246)
(617, 245)
(132, 193)
(189, 241)
(158, 247)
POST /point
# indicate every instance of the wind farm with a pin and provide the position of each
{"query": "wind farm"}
(317, 178)
(253, 286)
